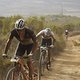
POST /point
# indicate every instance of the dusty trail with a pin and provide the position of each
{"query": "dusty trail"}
(67, 65)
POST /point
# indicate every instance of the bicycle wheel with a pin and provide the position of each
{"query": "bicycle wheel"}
(14, 75)
(41, 65)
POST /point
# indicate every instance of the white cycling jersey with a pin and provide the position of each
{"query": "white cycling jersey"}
(45, 34)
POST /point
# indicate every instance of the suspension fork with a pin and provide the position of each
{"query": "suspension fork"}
(49, 55)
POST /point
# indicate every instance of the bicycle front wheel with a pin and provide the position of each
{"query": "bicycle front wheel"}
(14, 75)
(41, 65)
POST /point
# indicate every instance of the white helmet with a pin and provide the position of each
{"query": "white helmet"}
(19, 24)
(48, 31)
(66, 30)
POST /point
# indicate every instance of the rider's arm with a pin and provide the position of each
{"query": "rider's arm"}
(39, 34)
(8, 44)
(34, 42)
(53, 37)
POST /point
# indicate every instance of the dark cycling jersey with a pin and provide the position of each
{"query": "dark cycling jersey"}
(29, 36)
(66, 33)
(26, 44)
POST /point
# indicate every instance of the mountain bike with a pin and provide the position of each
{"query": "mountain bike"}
(43, 60)
(19, 72)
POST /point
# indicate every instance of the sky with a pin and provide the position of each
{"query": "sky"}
(39, 7)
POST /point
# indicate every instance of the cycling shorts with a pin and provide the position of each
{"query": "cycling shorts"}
(47, 42)
(66, 33)
(23, 48)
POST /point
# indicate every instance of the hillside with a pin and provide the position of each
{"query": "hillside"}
(57, 23)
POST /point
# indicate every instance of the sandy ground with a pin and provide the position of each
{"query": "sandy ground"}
(66, 66)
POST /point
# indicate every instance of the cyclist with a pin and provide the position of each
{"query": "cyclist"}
(27, 41)
(47, 38)
(66, 33)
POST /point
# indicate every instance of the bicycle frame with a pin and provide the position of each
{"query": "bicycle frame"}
(44, 52)
(18, 69)
(44, 60)
(46, 48)
(22, 70)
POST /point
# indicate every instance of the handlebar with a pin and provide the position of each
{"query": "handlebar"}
(46, 47)
(16, 59)
(51, 46)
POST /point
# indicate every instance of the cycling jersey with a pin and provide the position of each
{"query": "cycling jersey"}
(46, 37)
(29, 36)
(44, 34)
(26, 44)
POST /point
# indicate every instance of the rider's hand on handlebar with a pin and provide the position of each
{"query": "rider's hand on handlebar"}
(30, 54)
(52, 46)
(4, 55)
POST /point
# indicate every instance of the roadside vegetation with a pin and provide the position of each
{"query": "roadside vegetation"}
(57, 23)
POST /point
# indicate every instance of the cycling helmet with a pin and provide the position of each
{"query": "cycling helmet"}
(19, 24)
(48, 31)
(66, 30)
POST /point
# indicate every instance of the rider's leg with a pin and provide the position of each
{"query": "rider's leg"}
(29, 62)
(21, 61)
(23, 68)
(49, 56)
(49, 42)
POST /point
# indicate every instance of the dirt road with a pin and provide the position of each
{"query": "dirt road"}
(67, 65)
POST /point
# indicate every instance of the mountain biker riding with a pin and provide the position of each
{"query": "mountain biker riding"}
(66, 33)
(27, 41)
(47, 38)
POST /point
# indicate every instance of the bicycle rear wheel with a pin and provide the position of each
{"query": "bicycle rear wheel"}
(13, 74)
